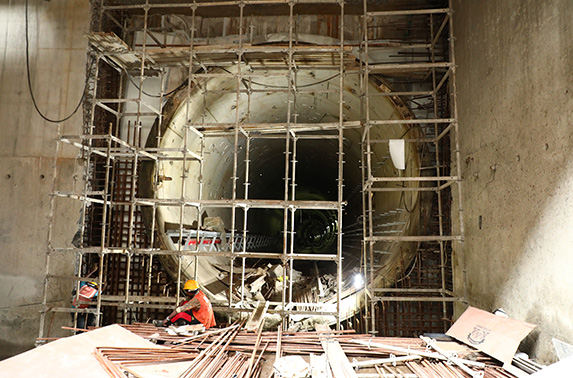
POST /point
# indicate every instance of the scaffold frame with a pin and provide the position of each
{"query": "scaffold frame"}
(129, 42)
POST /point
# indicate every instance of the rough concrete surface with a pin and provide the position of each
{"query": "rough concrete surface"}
(57, 65)
(515, 87)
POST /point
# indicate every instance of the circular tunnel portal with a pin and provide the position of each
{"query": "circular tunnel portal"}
(256, 163)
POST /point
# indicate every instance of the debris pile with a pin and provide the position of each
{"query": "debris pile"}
(245, 350)
(366, 356)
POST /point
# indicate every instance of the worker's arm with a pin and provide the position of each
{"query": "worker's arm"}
(193, 304)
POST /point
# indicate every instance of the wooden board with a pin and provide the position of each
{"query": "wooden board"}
(337, 359)
(71, 356)
(257, 317)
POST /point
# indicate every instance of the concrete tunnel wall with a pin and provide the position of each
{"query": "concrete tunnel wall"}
(27, 147)
(515, 101)
(515, 90)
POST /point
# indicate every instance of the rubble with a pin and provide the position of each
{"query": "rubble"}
(144, 350)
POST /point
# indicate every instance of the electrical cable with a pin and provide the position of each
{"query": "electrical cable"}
(150, 95)
(30, 83)
(298, 86)
(281, 86)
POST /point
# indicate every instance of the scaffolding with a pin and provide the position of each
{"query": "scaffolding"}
(422, 75)
(133, 44)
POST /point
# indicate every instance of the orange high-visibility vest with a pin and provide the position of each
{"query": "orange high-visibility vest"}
(204, 315)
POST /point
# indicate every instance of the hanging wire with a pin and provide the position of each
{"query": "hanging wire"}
(152, 95)
(30, 83)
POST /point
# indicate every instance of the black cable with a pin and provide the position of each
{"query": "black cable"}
(155, 96)
(244, 81)
(30, 83)
(298, 86)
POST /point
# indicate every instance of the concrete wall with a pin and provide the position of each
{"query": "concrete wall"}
(515, 85)
(57, 65)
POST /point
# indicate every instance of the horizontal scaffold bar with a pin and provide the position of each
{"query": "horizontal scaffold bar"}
(413, 179)
(410, 121)
(419, 140)
(255, 204)
(277, 126)
(418, 299)
(102, 151)
(216, 308)
(406, 290)
(409, 12)
(248, 204)
(143, 153)
(137, 298)
(186, 252)
(412, 238)
(413, 93)
(73, 310)
(200, 50)
(405, 67)
(402, 189)
(190, 5)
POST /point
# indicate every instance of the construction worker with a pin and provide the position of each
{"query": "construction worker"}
(196, 309)
(84, 299)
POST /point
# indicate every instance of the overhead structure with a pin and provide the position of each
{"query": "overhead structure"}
(247, 145)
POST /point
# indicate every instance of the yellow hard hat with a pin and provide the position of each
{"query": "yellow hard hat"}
(93, 284)
(191, 285)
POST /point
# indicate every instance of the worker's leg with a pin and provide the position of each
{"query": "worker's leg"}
(180, 321)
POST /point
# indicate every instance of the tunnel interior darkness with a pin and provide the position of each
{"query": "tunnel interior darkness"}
(261, 174)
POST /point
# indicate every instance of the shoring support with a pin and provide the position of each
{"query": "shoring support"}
(290, 101)
(236, 131)
(438, 165)
(367, 161)
(292, 219)
(454, 114)
(49, 235)
(340, 176)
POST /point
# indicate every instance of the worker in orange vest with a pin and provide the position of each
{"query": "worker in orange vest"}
(196, 309)
(85, 298)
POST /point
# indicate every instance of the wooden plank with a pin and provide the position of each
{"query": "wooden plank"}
(337, 359)
(257, 317)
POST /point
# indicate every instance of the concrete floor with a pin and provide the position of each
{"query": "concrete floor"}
(515, 88)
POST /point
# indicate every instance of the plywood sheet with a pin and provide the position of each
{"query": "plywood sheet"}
(71, 356)
(494, 335)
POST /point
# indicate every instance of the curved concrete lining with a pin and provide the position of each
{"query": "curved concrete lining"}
(316, 161)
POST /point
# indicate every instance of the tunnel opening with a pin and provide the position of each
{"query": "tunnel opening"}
(267, 146)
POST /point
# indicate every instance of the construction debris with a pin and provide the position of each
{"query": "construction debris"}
(325, 354)
(291, 367)
(497, 336)
(145, 351)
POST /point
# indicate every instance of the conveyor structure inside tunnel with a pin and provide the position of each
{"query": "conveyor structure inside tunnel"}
(241, 145)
